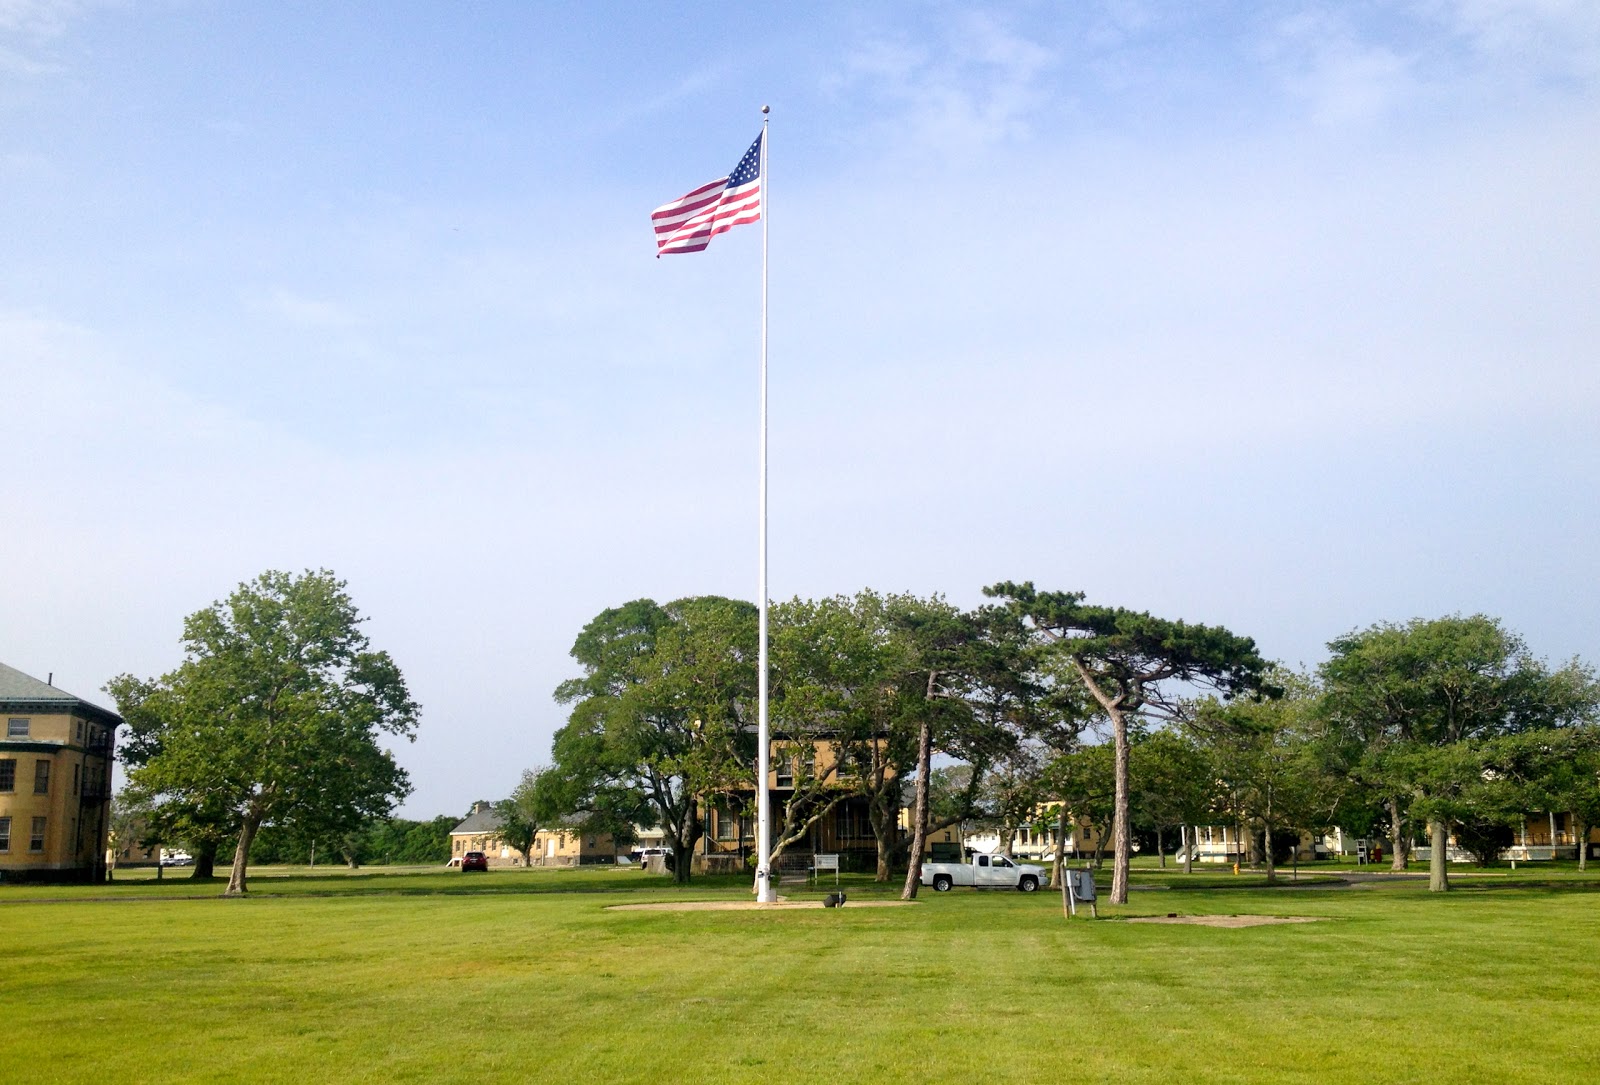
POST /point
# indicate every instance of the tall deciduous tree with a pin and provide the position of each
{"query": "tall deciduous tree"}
(1175, 785)
(834, 663)
(1268, 755)
(1567, 780)
(274, 717)
(1085, 781)
(1133, 664)
(530, 807)
(659, 717)
(1416, 691)
(873, 685)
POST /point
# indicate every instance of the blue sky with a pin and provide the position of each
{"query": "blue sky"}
(1282, 317)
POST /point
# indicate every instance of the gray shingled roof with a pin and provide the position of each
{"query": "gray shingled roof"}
(480, 821)
(21, 689)
(487, 822)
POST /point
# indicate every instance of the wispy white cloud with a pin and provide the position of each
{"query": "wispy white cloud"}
(300, 311)
(39, 18)
(1353, 65)
(1561, 37)
(1341, 77)
(976, 83)
(683, 89)
(29, 30)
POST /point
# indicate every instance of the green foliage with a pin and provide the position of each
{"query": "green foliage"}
(1485, 839)
(1130, 656)
(273, 718)
(1436, 682)
(532, 805)
(1174, 781)
(1431, 704)
(380, 841)
(659, 717)
(1271, 761)
(1086, 781)
(1135, 665)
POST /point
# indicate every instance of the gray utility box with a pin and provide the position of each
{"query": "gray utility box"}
(1081, 882)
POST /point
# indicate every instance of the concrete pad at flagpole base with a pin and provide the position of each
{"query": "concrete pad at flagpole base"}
(1228, 920)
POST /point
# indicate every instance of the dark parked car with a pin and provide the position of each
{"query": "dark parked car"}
(474, 860)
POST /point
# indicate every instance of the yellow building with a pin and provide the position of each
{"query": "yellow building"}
(560, 845)
(55, 782)
(1033, 842)
(812, 769)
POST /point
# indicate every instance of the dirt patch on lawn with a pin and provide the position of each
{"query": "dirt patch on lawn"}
(1229, 920)
(745, 905)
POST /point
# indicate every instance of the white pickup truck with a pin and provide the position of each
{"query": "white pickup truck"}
(984, 872)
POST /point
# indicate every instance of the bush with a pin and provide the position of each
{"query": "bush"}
(1485, 840)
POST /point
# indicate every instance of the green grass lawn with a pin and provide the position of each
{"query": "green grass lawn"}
(526, 976)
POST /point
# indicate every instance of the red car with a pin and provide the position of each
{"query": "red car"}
(474, 860)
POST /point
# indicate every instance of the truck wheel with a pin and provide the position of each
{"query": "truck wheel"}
(942, 883)
(1028, 883)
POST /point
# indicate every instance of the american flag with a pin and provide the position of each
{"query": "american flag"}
(689, 223)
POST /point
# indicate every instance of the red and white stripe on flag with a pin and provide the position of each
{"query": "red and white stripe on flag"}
(689, 223)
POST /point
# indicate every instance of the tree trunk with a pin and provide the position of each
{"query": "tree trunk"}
(1188, 849)
(1161, 852)
(1061, 848)
(205, 862)
(682, 859)
(1266, 846)
(1122, 841)
(1399, 838)
(1580, 834)
(883, 831)
(241, 857)
(919, 829)
(1438, 872)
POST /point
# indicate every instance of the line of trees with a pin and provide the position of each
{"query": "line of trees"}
(380, 841)
(274, 723)
(1132, 722)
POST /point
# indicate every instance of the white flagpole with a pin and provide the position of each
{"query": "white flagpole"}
(764, 892)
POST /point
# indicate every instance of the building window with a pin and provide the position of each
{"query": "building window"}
(5, 834)
(74, 779)
(727, 824)
(16, 728)
(8, 775)
(36, 841)
(851, 823)
(77, 729)
(784, 773)
(41, 777)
